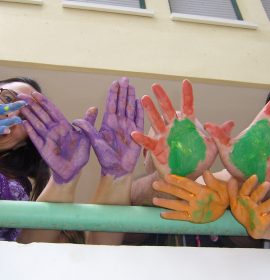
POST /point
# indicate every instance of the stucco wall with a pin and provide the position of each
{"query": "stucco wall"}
(49, 35)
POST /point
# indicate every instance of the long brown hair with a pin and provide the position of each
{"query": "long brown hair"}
(25, 161)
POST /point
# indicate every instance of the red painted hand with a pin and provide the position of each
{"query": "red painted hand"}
(249, 152)
(180, 145)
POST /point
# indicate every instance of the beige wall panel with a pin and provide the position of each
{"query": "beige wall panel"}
(62, 37)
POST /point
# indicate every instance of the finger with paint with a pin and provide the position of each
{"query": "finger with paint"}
(179, 146)
(5, 124)
(66, 149)
(8, 122)
(115, 149)
(249, 152)
(11, 107)
(193, 202)
(249, 207)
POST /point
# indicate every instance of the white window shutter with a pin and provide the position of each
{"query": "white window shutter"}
(122, 3)
(210, 8)
(266, 5)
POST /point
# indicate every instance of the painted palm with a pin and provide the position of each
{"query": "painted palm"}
(64, 147)
(180, 145)
(193, 202)
(115, 149)
(249, 152)
(249, 207)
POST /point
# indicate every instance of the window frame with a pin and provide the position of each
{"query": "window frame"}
(266, 12)
(143, 11)
(239, 22)
(34, 2)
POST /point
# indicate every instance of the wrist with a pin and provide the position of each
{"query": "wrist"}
(55, 192)
(63, 181)
(141, 192)
(113, 190)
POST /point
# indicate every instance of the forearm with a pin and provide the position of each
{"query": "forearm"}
(113, 192)
(142, 192)
(53, 192)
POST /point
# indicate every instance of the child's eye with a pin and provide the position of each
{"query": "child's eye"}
(8, 96)
(9, 99)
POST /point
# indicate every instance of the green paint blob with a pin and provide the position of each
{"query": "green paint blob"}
(187, 148)
(251, 152)
(251, 213)
(204, 214)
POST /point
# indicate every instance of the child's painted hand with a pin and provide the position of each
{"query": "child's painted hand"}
(248, 208)
(249, 152)
(115, 149)
(193, 202)
(10, 121)
(65, 149)
(180, 145)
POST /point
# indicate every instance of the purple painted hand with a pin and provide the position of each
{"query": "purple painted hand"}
(116, 151)
(65, 149)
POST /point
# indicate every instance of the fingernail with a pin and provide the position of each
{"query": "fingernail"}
(6, 131)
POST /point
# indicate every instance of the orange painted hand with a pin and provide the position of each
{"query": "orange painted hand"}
(249, 152)
(248, 208)
(194, 202)
(180, 145)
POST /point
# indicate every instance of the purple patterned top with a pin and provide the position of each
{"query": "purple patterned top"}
(11, 189)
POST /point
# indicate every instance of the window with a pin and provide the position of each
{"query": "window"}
(266, 5)
(123, 3)
(226, 9)
(37, 2)
(129, 7)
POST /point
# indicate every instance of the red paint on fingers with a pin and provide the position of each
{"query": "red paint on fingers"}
(153, 114)
(187, 98)
(266, 109)
(164, 102)
(217, 133)
(145, 141)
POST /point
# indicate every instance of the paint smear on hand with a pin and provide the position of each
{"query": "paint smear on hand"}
(187, 148)
(204, 213)
(251, 213)
(251, 152)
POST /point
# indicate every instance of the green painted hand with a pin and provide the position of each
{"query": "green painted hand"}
(193, 202)
(248, 208)
(179, 145)
(249, 152)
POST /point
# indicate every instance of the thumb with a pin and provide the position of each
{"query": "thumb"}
(87, 127)
(218, 133)
(91, 115)
(227, 127)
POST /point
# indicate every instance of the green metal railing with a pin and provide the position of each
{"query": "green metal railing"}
(66, 216)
